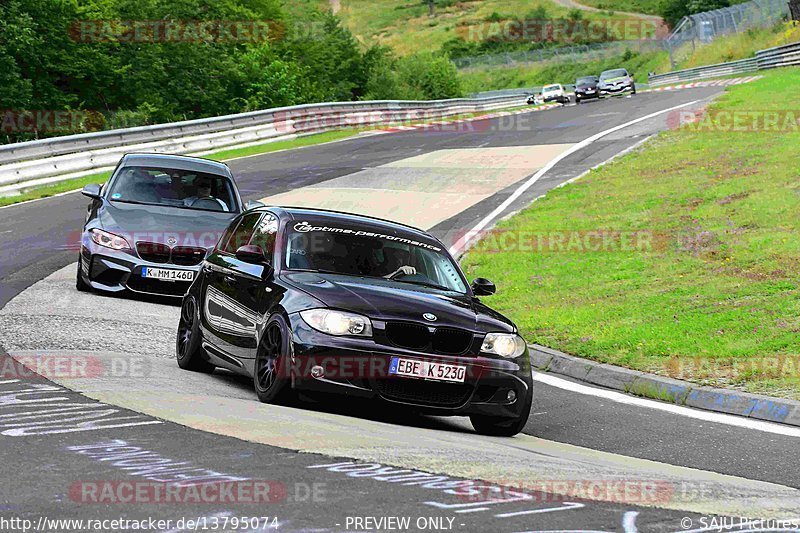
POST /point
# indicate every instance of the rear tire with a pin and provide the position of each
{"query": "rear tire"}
(81, 285)
(272, 378)
(188, 346)
(502, 427)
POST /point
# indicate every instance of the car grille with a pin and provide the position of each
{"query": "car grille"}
(155, 252)
(155, 286)
(424, 392)
(188, 255)
(450, 341)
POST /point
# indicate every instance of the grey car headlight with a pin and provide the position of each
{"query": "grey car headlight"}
(508, 345)
(337, 323)
(109, 240)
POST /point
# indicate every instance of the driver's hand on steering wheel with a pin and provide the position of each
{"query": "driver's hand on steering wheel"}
(402, 271)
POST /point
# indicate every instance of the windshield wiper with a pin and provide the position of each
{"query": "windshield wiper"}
(426, 284)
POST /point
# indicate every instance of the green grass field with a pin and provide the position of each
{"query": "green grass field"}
(706, 287)
(405, 26)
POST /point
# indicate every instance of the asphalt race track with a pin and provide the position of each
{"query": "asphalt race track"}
(322, 465)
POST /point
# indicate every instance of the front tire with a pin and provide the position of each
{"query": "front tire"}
(272, 379)
(502, 427)
(81, 285)
(188, 346)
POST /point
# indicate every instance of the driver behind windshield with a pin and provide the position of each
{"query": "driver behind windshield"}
(397, 260)
(203, 191)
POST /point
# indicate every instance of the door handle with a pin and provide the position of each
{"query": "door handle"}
(230, 280)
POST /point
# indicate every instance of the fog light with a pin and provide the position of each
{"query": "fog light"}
(511, 396)
(317, 372)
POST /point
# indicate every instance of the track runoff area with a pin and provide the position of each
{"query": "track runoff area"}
(103, 432)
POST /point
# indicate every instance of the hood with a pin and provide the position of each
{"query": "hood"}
(391, 300)
(189, 227)
(591, 85)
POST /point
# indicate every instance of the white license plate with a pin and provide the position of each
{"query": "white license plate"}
(167, 274)
(427, 370)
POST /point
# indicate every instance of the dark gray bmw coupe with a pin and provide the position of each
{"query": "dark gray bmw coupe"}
(153, 223)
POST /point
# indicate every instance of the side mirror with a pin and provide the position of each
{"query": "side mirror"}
(253, 204)
(483, 287)
(251, 254)
(92, 191)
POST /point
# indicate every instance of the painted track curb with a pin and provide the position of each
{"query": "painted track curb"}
(683, 393)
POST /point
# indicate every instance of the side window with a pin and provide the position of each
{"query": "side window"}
(264, 235)
(241, 235)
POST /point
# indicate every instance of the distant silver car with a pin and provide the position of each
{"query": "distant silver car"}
(149, 228)
(616, 82)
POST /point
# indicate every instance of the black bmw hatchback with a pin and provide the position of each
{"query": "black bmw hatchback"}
(319, 300)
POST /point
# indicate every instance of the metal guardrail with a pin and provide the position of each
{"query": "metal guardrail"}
(779, 56)
(47, 160)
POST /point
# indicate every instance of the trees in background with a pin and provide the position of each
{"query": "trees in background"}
(61, 55)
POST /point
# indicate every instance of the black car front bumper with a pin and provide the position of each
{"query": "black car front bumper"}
(360, 367)
(586, 94)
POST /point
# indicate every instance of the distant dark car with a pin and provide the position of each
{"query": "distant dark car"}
(318, 300)
(616, 82)
(152, 224)
(586, 88)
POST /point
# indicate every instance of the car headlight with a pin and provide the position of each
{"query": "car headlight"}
(508, 345)
(109, 240)
(337, 322)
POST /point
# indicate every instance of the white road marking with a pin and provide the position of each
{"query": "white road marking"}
(629, 522)
(464, 242)
(707, 416)
(565, 507)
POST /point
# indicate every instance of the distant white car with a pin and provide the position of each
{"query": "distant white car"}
(554, 93)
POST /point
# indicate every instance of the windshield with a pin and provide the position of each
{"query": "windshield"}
(589, 80)
(173, 188)
(610, 74)
(551, 88)
(368, 252)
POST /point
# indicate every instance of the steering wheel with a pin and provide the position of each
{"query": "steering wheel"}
(210, 203)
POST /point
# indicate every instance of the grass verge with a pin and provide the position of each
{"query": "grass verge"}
(696, 272)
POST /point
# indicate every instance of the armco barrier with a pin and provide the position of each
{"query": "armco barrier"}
(22, 163)
(779, 56)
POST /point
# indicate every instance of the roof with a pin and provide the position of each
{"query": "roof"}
(181, 162)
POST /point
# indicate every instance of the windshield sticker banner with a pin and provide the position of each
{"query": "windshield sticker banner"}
(305, 227)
